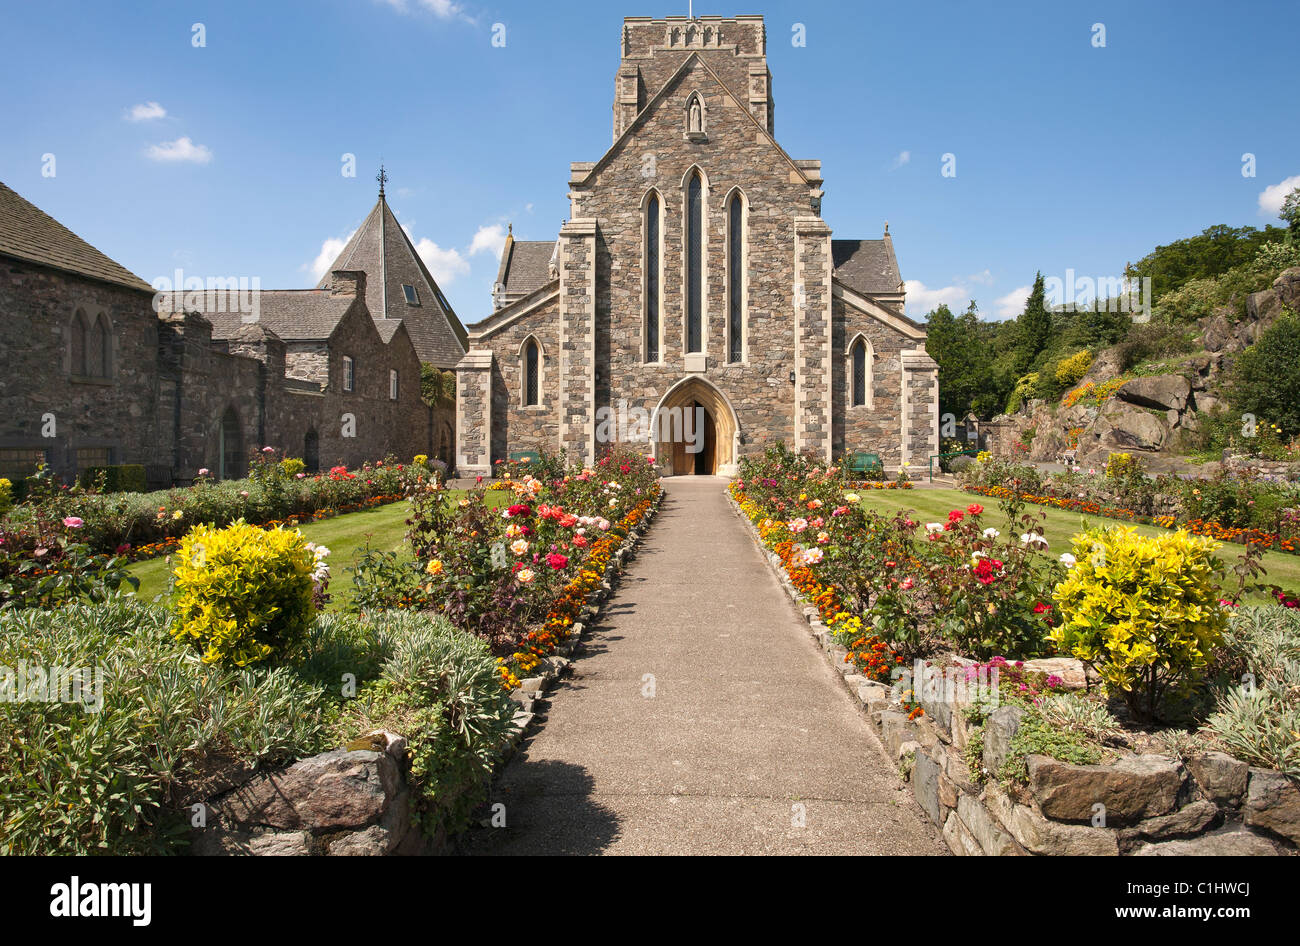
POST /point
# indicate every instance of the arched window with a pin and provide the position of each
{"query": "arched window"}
(860, 358)
(736, 279)
(392, 384)
(311, 451)
(80, 331)
(532, 372)
(349, 373)
(695, 264)
(230, 447)
(99, 353)
(652, 275)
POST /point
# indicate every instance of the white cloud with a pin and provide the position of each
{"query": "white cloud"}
(1013, 303)
(444, 264)
(921, 299)
(984, 279)
(442, 9)
(182, 149)
(903, 158)
(488, 240)
(1270, 198)
(329, 252)
(145, 112)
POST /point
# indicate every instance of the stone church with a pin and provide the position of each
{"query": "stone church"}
(696, 275)
(100, 370)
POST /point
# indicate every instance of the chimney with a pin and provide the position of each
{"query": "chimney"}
(348, 282)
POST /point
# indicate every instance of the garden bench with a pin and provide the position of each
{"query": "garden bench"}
(859, 463)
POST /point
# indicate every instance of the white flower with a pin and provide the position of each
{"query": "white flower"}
(1068, 560)
(1033, 540)
(852, 498)
(933, 527)
(613, 503)
(991, 533)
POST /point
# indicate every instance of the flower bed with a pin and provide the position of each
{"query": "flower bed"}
(1142, 628)
(1229, 507)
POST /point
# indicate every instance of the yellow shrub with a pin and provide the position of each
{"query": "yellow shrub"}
(1123, 466)
(1144, 611)
(292, 466)
(6, 495)
(243, 593)
(1071, 370)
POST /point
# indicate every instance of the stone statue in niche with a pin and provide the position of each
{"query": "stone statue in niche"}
(695, 123)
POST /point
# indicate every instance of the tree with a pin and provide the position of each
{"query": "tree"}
(1266, 378)
(961, 346)
(1290, 211)
(1212, 252)
(437, 388)
(1035, 325)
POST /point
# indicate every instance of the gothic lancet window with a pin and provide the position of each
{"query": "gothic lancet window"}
(99, 352)
(860, 356)
(735, 280)
(695, 264)
(652, 278)
(532, 372)
(79, 340)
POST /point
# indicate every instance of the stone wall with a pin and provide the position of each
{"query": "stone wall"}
(873, 427)
(37, 307)
(516, 426)
(474, 413)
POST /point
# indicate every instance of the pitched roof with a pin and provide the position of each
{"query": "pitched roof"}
(866, 266)
(292, 314)
(381, 248)
(525, 266)
(28, 233)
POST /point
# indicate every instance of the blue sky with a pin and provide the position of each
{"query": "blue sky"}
(1067, 155)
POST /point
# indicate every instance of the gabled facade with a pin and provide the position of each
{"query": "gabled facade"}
(400, 287)
(696, 274)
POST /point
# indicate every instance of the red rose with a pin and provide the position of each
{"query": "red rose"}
(956, 516)
(974, 509)
(556, 561)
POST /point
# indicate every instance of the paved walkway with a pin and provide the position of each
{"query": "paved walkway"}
(747, 729)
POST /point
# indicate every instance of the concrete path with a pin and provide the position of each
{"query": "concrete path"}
(701, 719)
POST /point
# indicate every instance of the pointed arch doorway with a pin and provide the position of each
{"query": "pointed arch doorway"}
(695, 430)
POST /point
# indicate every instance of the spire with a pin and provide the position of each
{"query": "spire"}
(382, 178)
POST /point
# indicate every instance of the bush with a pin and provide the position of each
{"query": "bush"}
(440, 688)
(107, 773)
(6, 496)
(244, 593)
(1070, 371)
(125, 478)
(1258, 716)
(1266, 377)
(1144, 611)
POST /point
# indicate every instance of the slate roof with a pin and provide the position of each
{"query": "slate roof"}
(381, 248)
(866, 266)
(295, 315)
(28, 233)
(525, 266)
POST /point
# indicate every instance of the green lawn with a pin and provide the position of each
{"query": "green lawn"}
(933, 505)
(345, 536)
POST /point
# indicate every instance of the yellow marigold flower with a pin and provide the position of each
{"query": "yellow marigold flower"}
(434, 567)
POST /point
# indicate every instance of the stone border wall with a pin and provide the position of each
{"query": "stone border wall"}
(356, 800)
(1211, 804)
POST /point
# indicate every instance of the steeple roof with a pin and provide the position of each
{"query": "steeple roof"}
(381, 249)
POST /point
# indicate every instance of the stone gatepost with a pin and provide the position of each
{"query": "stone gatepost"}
(812, 336)
(577, 371)
(474, 413)
(920, 434)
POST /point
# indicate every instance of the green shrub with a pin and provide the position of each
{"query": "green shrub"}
(292, 466)
(441, 689)
(124, 478)
(1143, 610)
(1258, 716)
(1266, 377)
(243, 593)
(1037, 736)
(108, 781)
